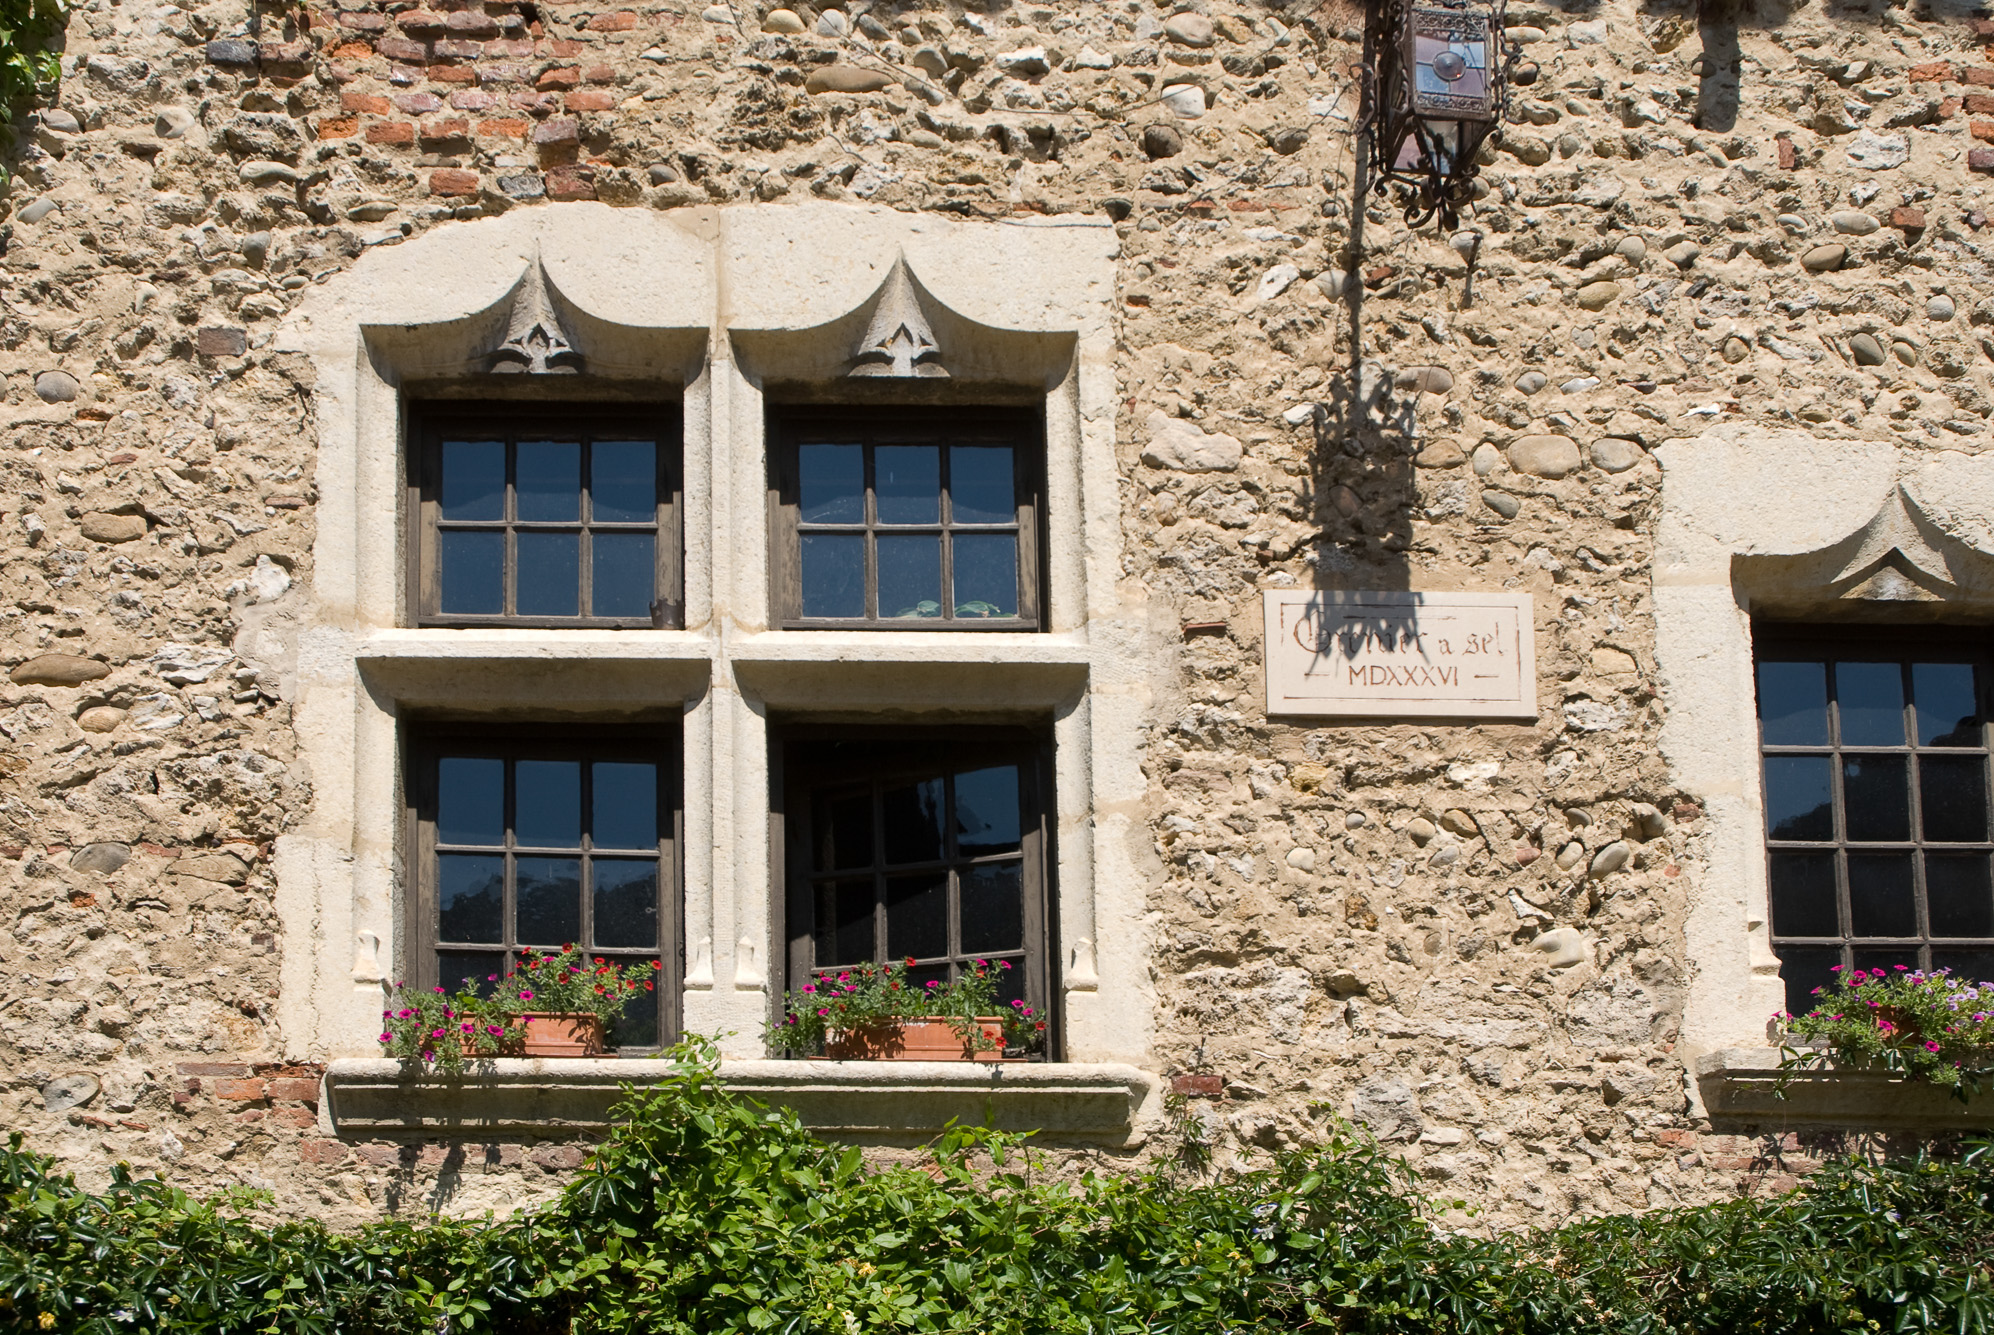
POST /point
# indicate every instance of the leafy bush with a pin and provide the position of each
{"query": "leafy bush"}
(1926, 1026)
(705, 1213)
(26, 28)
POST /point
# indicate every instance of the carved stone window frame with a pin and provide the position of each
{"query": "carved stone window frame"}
(1782, 526)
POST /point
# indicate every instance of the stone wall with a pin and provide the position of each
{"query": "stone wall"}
(1758, 216)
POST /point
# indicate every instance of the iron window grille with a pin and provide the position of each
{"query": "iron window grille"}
(927, 845)
(537, 837)
(545, 515)
(1879, 841)
(910, 519)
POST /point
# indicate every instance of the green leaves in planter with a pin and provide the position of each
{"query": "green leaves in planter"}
(704, 1214)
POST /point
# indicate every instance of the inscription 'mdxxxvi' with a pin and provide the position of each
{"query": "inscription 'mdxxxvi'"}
(1400, 654)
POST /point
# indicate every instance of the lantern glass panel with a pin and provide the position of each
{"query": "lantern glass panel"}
(1450, 60)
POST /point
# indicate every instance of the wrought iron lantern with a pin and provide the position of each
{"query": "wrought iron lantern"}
(1440, 92)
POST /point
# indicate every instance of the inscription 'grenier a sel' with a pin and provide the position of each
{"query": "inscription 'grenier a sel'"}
(1399, 654)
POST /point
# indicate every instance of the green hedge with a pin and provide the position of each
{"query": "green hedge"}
(704, 1213)
(26, 29)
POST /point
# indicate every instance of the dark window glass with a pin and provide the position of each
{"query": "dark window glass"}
(910, 847)
(547, 843)
(547, 517)
(907, 519)
(1879, 840)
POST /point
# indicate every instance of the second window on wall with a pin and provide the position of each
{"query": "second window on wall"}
(907, 519)
(543, 515)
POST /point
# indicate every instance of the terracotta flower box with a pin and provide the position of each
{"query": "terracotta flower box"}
(562, 1034)
(922, 1040)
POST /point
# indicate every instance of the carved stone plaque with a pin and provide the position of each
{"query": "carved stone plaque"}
(1359, 654)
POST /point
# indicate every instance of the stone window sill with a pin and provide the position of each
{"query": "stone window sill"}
(1738, 1087)
(885, 1102)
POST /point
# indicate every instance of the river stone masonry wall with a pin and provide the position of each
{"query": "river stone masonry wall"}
(1766, 217)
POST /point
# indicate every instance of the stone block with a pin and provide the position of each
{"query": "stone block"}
(472, 23)
(561, 77)
(403, 50)
(1198, 1086)
(111, 528)
(503, 128)
(221, 341)
(559, 1158)
(568, 183)
(1980, 160)
(417, 104)
(339, 127)
(1980, 76)
(223, 1069)
(1936, 71)
(302, 1089)
(443, 133)
(621, 20)
(1907, 218)
(231, 53)
(453, 183)
(398, 134)
(847, 79)
(247, 1090)
(322, 1151)
(591, 100)
(1182, 446)
(102, 858)
(1544, 456)
(58, 670)
(452, 74)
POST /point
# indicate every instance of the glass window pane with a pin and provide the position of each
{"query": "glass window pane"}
(626, 903)
(1869, 700)
(548, 480)
(624, 798)
(547, 804)
(993, 908)
(986, 811)
(1882, 899)
(636, 1026)
(910, 576)
(550, 575)
(624, 574)
(1948, 714)
(548, 893)
(1876, 799)
(470, 801)
(831, 483)
(1952, 791)
(1793, 703)
(623, 481)
(470, 897)
(472, 574)
(1806, 969)
(844, 831)
(1803, 895)
(844, 923)
(1973, 965)
(981, 486)
(907, 483)
(1011, 983)
(917, 916)
(1799, 803)
(473, 482)
(986, 575)
(913, 821)
(1959, 900)
(833, 575)
(479, 970)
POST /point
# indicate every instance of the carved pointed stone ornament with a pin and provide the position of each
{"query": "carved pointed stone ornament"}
(1896, 537)
(898, 342)
(535, 343)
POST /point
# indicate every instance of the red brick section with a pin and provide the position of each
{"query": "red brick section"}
(339, 127)
(1980, 159)
(568, 183)
(1981, 76)
(1938, 71)
(1983, 130)
(1198, 1086)
(391, 132)
(591, 100)
(452, 182)
(363, 102)
(620, 21)
(1907, 218)
(564, 77)
(1787, 157)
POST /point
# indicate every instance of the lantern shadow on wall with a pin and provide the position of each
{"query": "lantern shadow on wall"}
(1435, 95)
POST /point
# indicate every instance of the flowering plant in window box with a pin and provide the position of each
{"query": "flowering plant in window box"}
(1923, 1026)
(564, 1001)
(440, 1029)
(873, 1012)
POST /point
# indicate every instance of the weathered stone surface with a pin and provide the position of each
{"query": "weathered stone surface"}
(112, 528)
(224, 868)
(1866, 350)
(781, 21)
(1610, 859)
(1878, 152)
(56, 387)
(1544, 456)
(1502, 503)
(1189, 29)
(1162, 140)
(1440, 454)
(69, 1091)
(1177, 444)
(1940, 308)
(1683, 254)
(1854, 222)
(100, 857)
(100, 718)
(1425, 379)
(1821, 259)
(58, 670)
(1597, 296)
(847, 79)
(1530, 382)
(1615, 454)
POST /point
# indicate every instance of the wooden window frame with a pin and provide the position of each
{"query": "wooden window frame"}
(660, 743)
(789, 427)
(792, 782)
(1903, 645)
(430, 421)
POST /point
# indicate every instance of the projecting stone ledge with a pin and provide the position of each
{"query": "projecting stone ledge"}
(1741, 1088)
(875, 1102)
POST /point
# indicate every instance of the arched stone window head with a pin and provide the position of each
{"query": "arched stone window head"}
(899, 342)
(536, 341)
(1905, 553)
